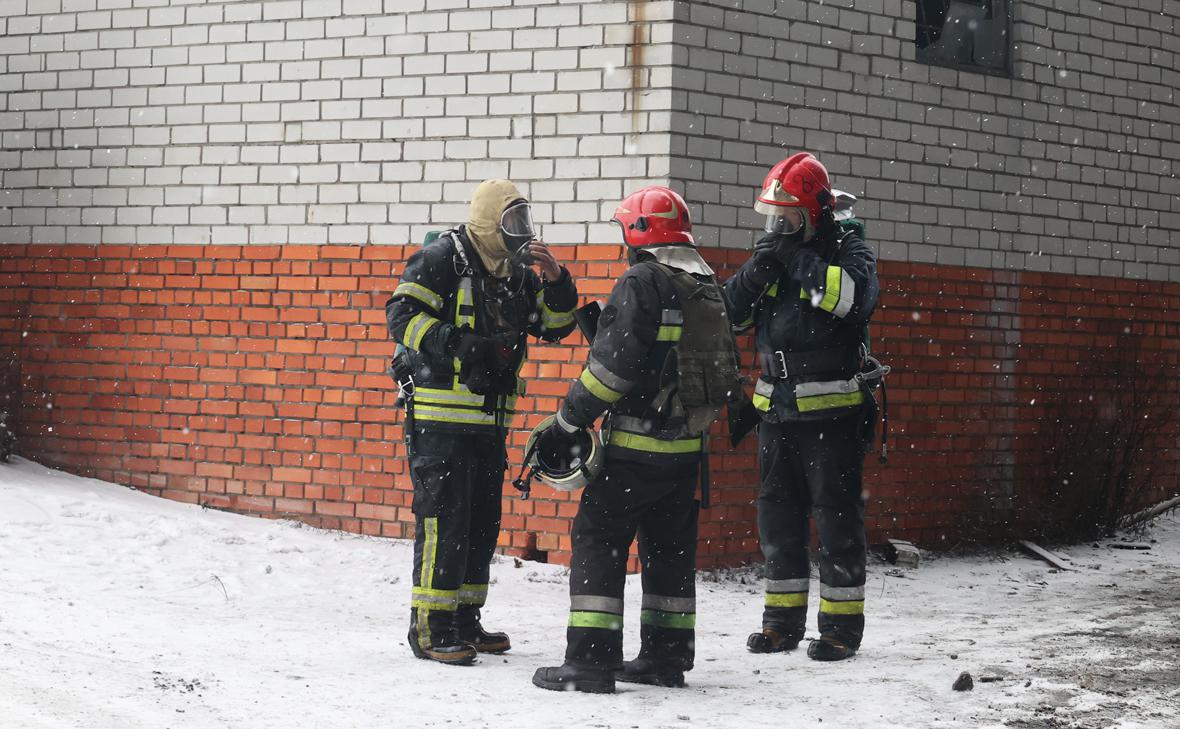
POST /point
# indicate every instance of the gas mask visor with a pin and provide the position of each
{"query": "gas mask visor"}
(516, 225)
(785, 221)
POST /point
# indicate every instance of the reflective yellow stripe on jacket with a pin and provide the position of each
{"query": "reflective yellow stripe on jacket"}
(812, 396)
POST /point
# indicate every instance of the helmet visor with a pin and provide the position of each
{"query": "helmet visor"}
(785, 221)
(517, 220)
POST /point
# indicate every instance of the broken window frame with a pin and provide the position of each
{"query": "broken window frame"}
(1000, 10)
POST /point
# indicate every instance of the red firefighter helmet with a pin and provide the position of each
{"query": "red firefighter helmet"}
(654, 216)
(799, 181)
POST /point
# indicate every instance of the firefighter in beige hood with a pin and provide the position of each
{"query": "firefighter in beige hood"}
(500, 225)
(463, 326)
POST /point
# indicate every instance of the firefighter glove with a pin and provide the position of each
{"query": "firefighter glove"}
(779, 247)
(468, 346)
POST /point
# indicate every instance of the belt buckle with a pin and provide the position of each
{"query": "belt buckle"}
(782, 361)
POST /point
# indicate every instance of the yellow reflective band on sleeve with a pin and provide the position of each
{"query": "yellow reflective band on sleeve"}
(831, 289)
(646, 443)
(598, 388)
(763, 391)
(604, 621)
(786, 599)
(773, 290)
(827, 402)
(664, 619)
(669, 333)
(421, 293)
(551, 319)
(847, 607)
(417, 329)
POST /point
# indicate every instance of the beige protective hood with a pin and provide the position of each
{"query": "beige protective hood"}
(488, 203)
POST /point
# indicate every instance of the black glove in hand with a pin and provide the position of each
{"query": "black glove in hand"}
(809, 269)
(468, 346)
(501, 351)
(471, 348)
(777, 247)
(477, 378)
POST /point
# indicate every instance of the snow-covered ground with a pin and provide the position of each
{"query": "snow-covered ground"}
(119, 610)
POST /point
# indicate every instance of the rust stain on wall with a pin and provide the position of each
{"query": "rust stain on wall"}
(637, 48)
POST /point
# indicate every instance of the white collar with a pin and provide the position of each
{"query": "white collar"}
(685, 258)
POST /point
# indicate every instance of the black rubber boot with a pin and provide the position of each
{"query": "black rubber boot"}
(444, 648)
(771, 641)
(571, 678)
(471, 631)
(830, 648)
(654, 673)
(485, 642)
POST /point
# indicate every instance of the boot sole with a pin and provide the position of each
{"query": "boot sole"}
(824, 654)
(784, 648)
(460, 659)
(586, 687)
(494, 649)
(829, 657)
(451, 659)
(652, 679)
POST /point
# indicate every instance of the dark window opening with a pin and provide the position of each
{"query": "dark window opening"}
(964, 33)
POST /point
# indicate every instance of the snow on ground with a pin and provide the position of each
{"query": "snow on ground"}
(120, 610)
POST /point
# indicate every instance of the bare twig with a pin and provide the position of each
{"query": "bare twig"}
(222, 586)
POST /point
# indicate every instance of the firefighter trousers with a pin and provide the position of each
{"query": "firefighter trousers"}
(657, 502)
(458, 481)
(813, 468)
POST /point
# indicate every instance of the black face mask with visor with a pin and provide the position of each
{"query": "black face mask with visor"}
(518, 230)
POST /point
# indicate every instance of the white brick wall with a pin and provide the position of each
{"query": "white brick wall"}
(353, 121)
(316, 121)
(1071, 165)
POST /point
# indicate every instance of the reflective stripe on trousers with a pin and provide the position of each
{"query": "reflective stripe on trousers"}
(596, 611)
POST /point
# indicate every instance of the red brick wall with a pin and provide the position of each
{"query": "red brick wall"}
(252, 379)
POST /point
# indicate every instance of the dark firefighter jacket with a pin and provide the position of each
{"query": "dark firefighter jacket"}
(441, 290)
(638, 327)
(810, 319)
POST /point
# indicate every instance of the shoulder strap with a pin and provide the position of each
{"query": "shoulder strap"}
(460, 253)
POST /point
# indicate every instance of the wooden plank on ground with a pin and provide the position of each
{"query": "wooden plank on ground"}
(1052, 558)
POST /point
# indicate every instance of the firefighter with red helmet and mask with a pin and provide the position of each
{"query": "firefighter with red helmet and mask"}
(662, 363)
(809, 290)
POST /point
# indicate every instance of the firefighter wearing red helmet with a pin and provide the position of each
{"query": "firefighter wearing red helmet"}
(662, 363)
(809, 290)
